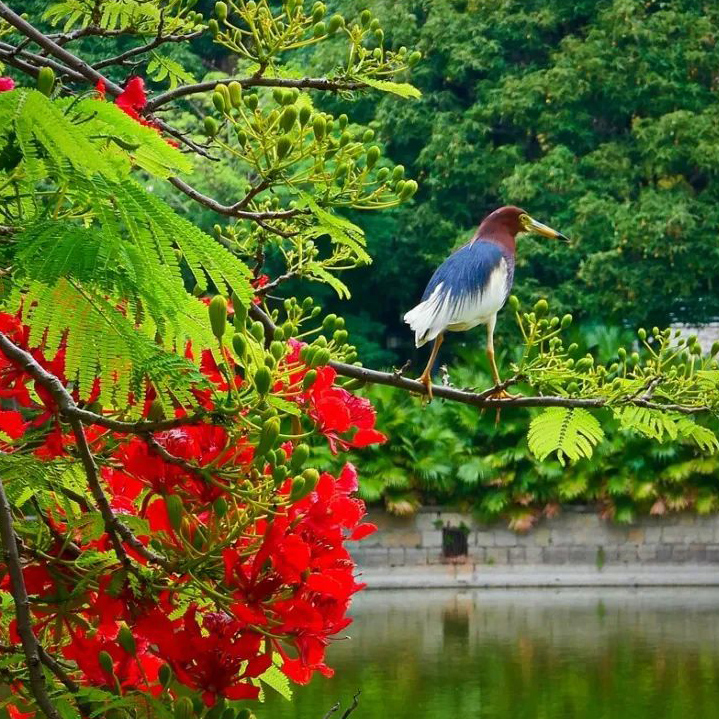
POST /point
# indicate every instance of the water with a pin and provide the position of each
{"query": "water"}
(522, 654)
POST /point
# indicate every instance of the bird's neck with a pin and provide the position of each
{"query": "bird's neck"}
(497, 235)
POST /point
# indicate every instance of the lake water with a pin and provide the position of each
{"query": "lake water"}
(522, 654)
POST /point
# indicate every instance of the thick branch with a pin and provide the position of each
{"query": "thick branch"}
(313, 83)
(72, 61)
(483, 399)
(8, 52)
(22, 609)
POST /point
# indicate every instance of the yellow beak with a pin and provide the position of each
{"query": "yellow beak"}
(531, 225)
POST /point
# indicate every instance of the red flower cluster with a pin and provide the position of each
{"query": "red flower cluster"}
(271, 563)
(6, 83)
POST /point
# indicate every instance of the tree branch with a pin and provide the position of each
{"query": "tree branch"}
(482, 400)
(159, 40)
(8, 52)
(230, 210)
(313, 83)
(18, 590)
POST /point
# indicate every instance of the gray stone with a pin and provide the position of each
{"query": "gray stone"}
(477, 554)
(698, 552)
(583, 555)
(396, 556)
(664, 553)
(505, 538)
(482, 538)
(713, 553)
(415, 556)
(680, 553)
(431, 538)
(647, 553)
(496, 555)
(556, 555)
(517, 555)
(372, 557)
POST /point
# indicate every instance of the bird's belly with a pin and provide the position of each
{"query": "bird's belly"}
(479, 308)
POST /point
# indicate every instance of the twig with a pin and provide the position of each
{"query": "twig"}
(353, 706)
(481, 400)
(313, 83)
(334, 708)
(22, 609)
(159, 40)
(8, 52)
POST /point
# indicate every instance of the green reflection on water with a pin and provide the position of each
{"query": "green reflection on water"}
(594, 654)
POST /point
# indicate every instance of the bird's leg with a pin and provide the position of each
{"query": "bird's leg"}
(426, 376)
(500, 393)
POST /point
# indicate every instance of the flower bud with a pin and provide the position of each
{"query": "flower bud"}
(372, 156)
(284, 145)
(319, 29)
(258, 331)
(289, 117)
(408, 190)
(297, 489)
(309, 379)
(566, 321)
(279, 475)
(397, 173)
(175, 510)
(414, 58)
(156, 411)
(221, 10)
(335, 23)
(45, 80)
(277, 349)
(106, 663)
(213, 27)
(184, 708)
(263, 380)
(365, 18)
(300, 455)
(240, 312)
(541, 307)
(218, 101)
(622, 353)
(304, 115)
(268, 436)
(311, 477)
(219, 507)
(218, 316)
(642, 333)
(252, 101)
(235, 90)
(319, 126)
(126, 640)
(210, 126)
(382, 174)
(321, 358)
(165, 675)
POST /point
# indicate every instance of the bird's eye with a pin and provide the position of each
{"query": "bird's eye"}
(524, 220)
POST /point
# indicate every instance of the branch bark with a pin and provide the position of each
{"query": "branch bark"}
(30, 645)
(482, 400)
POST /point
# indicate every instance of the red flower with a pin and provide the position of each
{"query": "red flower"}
(6, 83)
(133, 97)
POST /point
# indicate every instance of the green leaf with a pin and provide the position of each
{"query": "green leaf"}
(571, 433)
(403, 89)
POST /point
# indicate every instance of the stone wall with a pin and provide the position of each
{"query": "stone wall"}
(575, 537)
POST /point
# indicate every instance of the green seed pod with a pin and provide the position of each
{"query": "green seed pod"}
(280, 335)
(319, 126)
(175, 510)
(696, 350)
(219, 507)
(372, 156)
(309, 379)
(278, 95)
(258, 331)
(321, 358)
(263, 380)
(642, 333)
(613, 367)
(715, 349)
(126, 640)
(554, 322)
(218, 316)
(622, 353)
(513, 302)
(268, 436)
(318, 13)
(635, 357)
(184, 708)
(566, 321)
(379, 35)
(414, 58)
(270, 362)
(319, 29)
(277, 349)
(252, 101)
(335, 23)
(221, 10)
(365, 18)
(218, 101)
(106, 663)
(397, 173)
(306, 353)
(408, 190)
(213, 27)
(572, 388)
(235, 90)
(541, 307)
(572, 348)
(45, 80)
(284, 145)
(239, 344)
(210, 126)
(241, 135)
(289, 117)
(165, 675)
(345, 139)
(340, 337)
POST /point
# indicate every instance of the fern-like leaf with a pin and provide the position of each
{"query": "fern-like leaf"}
(571, 433)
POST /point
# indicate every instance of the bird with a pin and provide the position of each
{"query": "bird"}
(471, 286)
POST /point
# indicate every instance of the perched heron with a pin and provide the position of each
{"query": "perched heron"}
(472, 285)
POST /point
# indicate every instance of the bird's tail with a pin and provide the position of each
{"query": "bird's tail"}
(425, 320)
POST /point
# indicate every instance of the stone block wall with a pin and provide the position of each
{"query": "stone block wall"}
(575, 537)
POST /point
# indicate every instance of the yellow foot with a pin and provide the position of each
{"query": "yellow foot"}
(503, 394)
(426, 380)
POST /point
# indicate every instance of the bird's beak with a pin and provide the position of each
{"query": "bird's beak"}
(531, 225)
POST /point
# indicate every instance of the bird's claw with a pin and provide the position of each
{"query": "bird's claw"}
(502, 394)
(426, 380)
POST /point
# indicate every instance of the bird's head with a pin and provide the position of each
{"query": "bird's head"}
(510, 220)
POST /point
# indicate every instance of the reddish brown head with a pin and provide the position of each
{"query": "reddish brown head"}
(503, 225)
